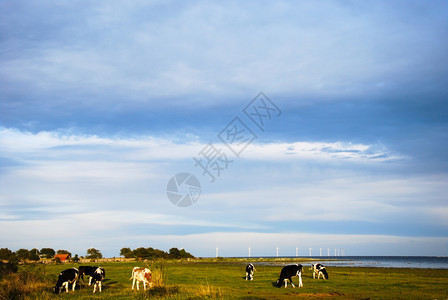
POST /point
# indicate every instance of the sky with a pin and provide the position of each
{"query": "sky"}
(307, 124)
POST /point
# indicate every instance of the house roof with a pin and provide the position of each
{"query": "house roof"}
(62, 257)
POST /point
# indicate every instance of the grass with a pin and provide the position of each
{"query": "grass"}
(224, 279)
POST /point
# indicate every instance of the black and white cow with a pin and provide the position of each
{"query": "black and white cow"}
(250, 269)
(65, 278)
(86, 270)
(97, 278)
(319, 270)
(288, 272)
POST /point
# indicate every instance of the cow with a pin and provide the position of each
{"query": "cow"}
(65, 278)
(250, 269)
(97, 278)
(141, 274)
(87, 270)
(288, 272)
(319, 270)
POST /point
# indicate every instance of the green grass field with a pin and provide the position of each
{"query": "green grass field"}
(224, 279)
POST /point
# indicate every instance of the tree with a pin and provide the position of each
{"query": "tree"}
(5, 254)
(126, 252)
(175, 253)
(141, 252)
(93, 253)
(63, 252)
(185, 254)
(23, 254)
(75, 259)
(161, 254)
(47, 253)
(34, 254)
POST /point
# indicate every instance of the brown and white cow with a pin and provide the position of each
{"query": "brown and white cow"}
(143, 275)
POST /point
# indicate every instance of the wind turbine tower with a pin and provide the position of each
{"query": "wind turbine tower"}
(277, 251)
(297, 251)
(249, 251)
(310, 250)
(320, 251)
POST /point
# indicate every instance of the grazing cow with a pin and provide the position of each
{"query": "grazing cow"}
(288, 272)
(319, 270)
(141, 274)
(65, 278)
(250, 269)
(97, 278)
(86, 270)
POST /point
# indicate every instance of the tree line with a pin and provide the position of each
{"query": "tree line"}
(92, 253)
(44, 253)
(151, 253)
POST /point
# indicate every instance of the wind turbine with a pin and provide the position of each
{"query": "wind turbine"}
(277, 251)
(217, 251)
(320, 251)
(310, 250)
(249, 251)
(328, 252)
(297, 251)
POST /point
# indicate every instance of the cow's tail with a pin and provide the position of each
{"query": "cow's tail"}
(132, 275)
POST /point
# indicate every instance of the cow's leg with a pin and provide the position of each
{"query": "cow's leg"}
(133, 282)
(144, 285)
(138, 282)
(300, 279)
(99, 284)
(74, 285)
(66, 286)
(247, 275)
(286, 282)
(292, 283)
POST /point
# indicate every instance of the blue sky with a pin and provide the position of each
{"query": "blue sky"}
(102, 103)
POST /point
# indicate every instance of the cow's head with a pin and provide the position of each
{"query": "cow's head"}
(57, 289)
(58, 286)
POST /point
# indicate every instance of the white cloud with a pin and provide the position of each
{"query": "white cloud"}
(14, 142)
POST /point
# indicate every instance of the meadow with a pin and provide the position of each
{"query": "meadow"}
(224, 279)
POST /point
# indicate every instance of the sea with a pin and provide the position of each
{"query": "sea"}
(416, 262)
